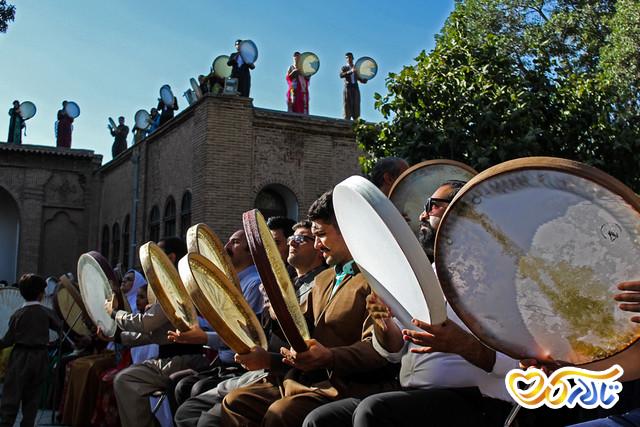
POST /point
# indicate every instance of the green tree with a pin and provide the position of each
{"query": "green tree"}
(7, 14)
(517, 78)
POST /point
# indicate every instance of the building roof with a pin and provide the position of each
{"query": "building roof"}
(48, 150)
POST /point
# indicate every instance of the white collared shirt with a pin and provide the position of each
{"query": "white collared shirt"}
(447, 370)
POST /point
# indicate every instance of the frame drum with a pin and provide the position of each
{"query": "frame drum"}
(196, 88)
(529, 254)
(10, 301)
(248, 51)
(68, 304)
(72, 109)
(142, 119)
(387, 252)
(167, 96)
(366, 68)
(112, 124)
(28, 110)
(222, 304)
(96, 280)
(275, 280)
(190, 96)
(220, 67)
(309, 64)
(169, 290)
(416, 184)
(202, 240)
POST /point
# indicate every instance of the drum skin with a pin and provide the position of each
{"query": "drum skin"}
(167, 287)
(202, 240)
(366, 68)
(221, 303)
(529, 254)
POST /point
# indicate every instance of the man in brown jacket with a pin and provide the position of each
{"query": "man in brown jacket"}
(340, 362)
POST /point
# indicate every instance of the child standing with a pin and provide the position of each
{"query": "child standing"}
(29, 334)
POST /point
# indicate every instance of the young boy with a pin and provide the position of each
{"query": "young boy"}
(29, 334)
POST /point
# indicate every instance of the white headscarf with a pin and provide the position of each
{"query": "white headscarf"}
(138, 282)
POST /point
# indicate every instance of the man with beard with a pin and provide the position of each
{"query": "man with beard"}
(433, 210)
(442, 369)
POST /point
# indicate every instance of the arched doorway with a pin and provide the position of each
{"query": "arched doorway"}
(277, 200)
(9, 236)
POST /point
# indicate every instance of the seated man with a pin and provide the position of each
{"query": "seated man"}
(340, 360)
(442, 370)
(204, 409)
(238, 250)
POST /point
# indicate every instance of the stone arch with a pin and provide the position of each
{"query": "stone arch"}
(9, 236)
(277, 199)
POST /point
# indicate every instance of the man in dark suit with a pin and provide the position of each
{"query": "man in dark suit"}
(351, 92)
(240, 71)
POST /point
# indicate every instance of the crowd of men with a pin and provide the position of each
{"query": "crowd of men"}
(361, 368)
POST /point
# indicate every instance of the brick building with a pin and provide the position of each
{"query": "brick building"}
(213, 161)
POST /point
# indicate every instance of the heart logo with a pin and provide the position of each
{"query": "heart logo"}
(528, 387)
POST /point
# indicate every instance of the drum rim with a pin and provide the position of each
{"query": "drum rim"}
(427, 163)
(207, 310)
(255, 47)
(148, 250)
(581, 170)
(403, 240)
(100, 261)
(304, 55)
(77, 298)
(193, 246)
(195, 87)
(72, 105)
(270, 281)
(225, 59)
(362, 59)
(35, 109)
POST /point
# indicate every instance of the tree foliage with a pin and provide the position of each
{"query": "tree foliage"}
(7, 14)
(516, 78)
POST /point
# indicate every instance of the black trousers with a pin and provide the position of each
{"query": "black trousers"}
(435, 407)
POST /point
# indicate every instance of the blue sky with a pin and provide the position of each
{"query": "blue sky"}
(113, 57)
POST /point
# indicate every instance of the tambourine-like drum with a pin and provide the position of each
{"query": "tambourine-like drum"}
(202, 240)
(112, 124)
(68, 304)
(248, 51)
(309, 64)
(167, 95)
(142, 119)
(190, 96)
(27, 110)
(366, 68)
(96, 280)
(195, 87)
(72, 109)
(220, 67)
(275, 279)
(412, 188)
(221, 303)
(529, 254)
(167, 287)
(387, 252)
(10, 301)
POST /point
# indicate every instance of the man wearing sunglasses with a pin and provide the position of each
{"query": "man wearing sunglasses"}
(305, 258)
(434, 208)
